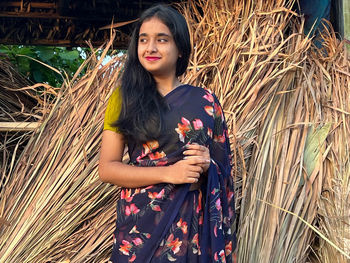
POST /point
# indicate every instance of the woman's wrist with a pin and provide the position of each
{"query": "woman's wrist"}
(165, 174)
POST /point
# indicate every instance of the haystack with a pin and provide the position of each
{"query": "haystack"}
(288, 110)
(18, 103)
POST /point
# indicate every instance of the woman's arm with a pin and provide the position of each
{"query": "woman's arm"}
(112, 170)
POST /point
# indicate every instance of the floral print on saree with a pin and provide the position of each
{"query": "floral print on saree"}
(172, 223)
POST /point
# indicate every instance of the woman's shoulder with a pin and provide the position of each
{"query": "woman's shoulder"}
(206, 93)
(199, 90)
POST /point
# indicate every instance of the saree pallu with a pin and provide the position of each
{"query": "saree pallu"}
(176, 223)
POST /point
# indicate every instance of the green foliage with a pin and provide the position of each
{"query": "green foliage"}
(61, 58)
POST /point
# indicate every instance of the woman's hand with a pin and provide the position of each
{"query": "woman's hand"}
(188, 170)
(199, 152)
(184, 171)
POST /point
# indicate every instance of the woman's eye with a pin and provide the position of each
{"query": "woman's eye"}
(142, 40)
(162, 40)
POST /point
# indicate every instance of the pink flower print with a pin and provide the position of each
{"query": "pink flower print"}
(218, 204)
(220, 138)
(156, 155)
(150, 146)
(174, 245)
(209, 110)
(215, 190)
(230, 195)
(155, 195)
(199, 206)
(183, 128)
(230, 212)
(132, 259)
(161, 163)
(126, 194)
(197, 124)
(228, 248)
(143, 190)
(195, 239)
(148, 235)
(217, 110)
(156, 208)
(216, 256)
(196, 247)
(210, 132)
(183, 225)
(160, 194)
(137, 241)
(222, 256)
(132, 209)
(209, 97)
(125, 247)
(134, 230)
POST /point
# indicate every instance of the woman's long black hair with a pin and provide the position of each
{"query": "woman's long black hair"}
(140, 119)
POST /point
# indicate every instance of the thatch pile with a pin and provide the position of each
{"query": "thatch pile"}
(18, 103)
(54, 204)
(288, 110)
(288, 107)
(15, 104)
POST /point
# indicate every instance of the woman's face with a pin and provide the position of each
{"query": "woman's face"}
(157, 51)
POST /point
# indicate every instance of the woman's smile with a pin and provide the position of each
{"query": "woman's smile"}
(152, 58)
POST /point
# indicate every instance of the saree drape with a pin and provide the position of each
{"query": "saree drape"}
(176, 223)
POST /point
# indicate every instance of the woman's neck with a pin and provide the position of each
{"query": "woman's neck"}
(166, 85)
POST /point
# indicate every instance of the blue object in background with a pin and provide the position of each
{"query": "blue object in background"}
(314, 11)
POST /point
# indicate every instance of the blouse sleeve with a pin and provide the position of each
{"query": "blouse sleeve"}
(112, 111)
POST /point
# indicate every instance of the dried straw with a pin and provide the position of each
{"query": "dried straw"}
(288, 112)
(17, 103)
(332, 76)
(54, 204)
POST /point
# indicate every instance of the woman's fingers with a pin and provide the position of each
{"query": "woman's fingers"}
(199, 154)
(197, 160)
(196, 149)
(192, 167)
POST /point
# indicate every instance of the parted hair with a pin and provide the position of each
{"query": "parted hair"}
(140, 119)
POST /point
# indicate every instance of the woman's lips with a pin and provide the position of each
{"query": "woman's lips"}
(152, 58)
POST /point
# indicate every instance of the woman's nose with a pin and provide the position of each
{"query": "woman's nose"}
(151, 47)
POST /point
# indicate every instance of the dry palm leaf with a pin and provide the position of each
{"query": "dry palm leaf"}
(275, 91)
(54, 204)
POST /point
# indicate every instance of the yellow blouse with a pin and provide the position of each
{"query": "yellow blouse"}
(113, 110)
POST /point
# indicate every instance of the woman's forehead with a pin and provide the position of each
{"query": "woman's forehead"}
(154, 26)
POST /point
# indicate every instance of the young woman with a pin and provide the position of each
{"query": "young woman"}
(176, 200)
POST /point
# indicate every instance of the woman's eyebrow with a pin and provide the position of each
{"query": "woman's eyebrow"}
(163, 35)
(158, 35)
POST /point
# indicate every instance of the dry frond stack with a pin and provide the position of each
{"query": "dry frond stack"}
(332, 79)
(276, 94)
(54, 207)
(18, 103)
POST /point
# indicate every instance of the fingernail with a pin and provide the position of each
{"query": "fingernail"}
(185, 157)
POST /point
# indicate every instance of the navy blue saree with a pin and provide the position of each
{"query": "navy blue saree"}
(180, 223)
